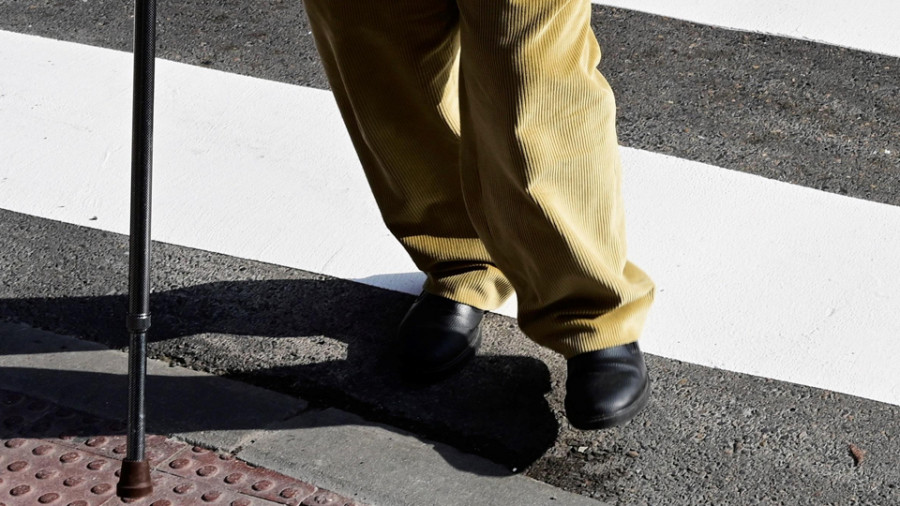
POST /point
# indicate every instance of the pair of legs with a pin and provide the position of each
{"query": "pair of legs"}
(488, 138)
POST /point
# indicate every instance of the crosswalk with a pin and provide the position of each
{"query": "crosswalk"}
(754, 275)
(870, 25)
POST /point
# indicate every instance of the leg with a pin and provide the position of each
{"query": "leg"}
(541, 175)
(393, 67)
(541, 171)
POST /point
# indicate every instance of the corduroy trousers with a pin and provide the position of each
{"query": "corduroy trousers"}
(488, 137)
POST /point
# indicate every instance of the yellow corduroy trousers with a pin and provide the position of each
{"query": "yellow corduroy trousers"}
(487, 135)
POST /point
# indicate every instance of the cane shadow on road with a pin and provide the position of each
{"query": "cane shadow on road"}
(324, 340)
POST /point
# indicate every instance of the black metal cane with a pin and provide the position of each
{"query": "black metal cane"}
(134, 479)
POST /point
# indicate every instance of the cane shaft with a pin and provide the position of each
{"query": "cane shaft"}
(139, 259)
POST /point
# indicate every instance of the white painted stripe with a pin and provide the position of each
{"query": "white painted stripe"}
(870, 25)
(754, 275)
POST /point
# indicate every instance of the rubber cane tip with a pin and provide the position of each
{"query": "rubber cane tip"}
(134, 480)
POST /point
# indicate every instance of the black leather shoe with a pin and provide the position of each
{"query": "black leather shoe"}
(606, 387)
(437, 337)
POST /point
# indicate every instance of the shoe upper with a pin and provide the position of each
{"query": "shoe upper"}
(436, 332)
(606, 385)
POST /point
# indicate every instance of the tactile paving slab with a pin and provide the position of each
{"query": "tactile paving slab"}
(205, 466)
(37, 471)
(19, 412)
(60, 457)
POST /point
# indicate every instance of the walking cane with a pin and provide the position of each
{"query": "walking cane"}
(134, 478)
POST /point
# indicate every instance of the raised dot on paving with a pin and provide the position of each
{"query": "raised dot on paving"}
(179, 463)
(13, 398)
(290, 493)
(326, 498)
(42, 450)
(64, 413)
(17, 466)
(46, 474)
(233, 478)
(207, 471)
(36, 405)
(48, 498)
(211, 496)
(73, 481)
(68, 458)
(20, 490)
(96, 465)
(101, 488)
(96, 441)
(262, 485)
(184, 488)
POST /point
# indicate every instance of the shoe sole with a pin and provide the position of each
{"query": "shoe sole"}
(618, 418)
(445, 371)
